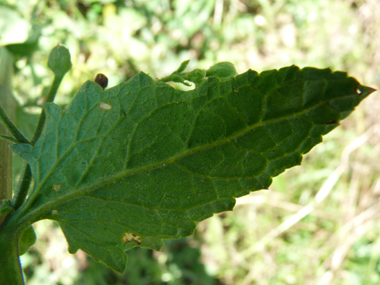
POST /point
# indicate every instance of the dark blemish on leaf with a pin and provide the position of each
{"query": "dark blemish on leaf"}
(56, 187)
(102, 80)
(105, 106)
(130, 237)
(54, 212)
(331, 123)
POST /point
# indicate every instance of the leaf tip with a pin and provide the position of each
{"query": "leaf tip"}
(364, 91)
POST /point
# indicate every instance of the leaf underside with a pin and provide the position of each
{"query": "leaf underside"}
(142, 162)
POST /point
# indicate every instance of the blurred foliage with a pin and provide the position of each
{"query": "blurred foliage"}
(336, 243)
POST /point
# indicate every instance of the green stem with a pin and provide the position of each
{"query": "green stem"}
(10, 272)
(23, 187)
(50, 98)
(10, 269)
(8, 103)
(11, 127)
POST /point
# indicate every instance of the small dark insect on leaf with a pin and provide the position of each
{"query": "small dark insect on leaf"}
(102, 80)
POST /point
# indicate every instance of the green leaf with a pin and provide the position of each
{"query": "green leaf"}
(27, 239)
(28, 47)
(142, 162)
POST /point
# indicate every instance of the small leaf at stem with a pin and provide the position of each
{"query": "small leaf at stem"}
(27, 239)
(6, 207)
(11, 139)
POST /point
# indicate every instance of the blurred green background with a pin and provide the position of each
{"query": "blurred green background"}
(318, 223)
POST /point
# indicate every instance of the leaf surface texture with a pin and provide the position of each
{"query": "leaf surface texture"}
(142, 162)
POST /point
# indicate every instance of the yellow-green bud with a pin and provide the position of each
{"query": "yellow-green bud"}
(59, 60)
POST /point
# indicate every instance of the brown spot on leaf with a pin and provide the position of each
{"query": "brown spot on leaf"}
(130, 237)
(102, 80)
(54, 212)
(56, 187)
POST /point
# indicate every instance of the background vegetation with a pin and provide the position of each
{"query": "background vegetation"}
(318, 224)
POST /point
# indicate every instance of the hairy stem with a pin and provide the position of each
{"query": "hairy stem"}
(11, 272)
(11, 127)
(23, 187)
(50, 98)
(6, 99)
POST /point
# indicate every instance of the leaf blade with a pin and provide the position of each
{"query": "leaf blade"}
(157, 160)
